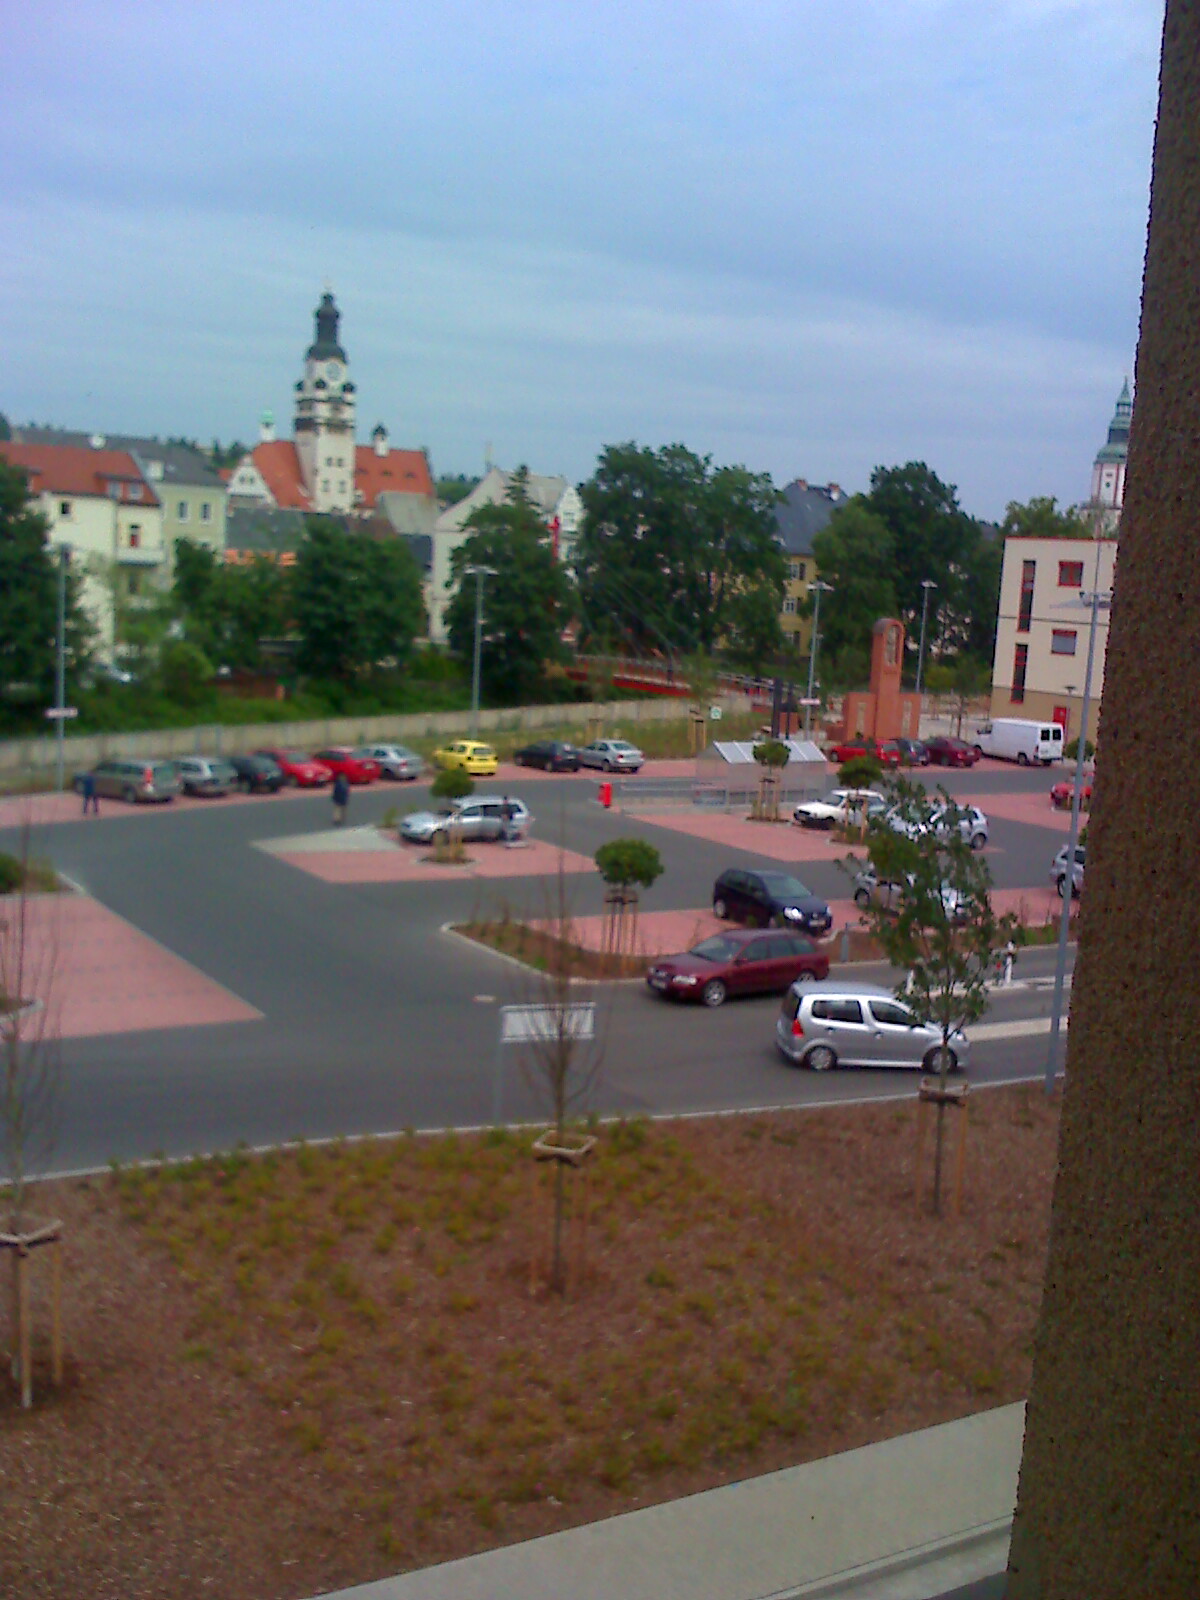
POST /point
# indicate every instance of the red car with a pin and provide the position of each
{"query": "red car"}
(741, 961)
(298, 768)
(355, 768)
(888, 754)
(1061, 795)
(947, 752)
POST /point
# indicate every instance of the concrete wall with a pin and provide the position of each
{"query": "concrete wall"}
(32, 757)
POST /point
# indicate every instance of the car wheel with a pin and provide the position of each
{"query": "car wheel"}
(805, 975)
(820, 1059)
(931, 1062)
(1062, 888)
(129, 795)
(720, 909)
(714, 992)
(978, 841)
(862, 898)
(608, 766)
(1022, 759)
(978, 753)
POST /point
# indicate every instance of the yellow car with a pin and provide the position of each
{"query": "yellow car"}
(477, 759)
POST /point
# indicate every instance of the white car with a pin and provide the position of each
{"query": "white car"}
(839, 807)
(393, 760)
(969, 820)
(888, 895)
(484, 816)
(611, 755)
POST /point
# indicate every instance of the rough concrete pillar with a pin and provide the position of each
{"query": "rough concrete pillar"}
(1109, 1498)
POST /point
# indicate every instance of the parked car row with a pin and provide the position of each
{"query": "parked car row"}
(264, 771)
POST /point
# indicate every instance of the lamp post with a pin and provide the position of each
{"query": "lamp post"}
(1095, 601)
(60, 671)
(479, 573)
(926, 585)
(818, 587)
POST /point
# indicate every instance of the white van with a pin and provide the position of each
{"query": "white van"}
(1026, 743)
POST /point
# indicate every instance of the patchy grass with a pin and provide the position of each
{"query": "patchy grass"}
(311, 1368)
(546, 952)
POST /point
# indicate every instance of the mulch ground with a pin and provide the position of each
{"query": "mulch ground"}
(291, 1373)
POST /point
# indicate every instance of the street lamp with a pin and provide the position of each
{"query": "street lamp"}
(926, 585)
(818, 587)
(479, 573)
(60, 673)
(1096, 601)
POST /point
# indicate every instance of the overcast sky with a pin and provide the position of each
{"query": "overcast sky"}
(812, 236)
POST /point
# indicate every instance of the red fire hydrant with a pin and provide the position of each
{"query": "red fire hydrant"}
(606, 796)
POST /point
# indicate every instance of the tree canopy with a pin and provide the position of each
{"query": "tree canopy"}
(29, 598)
(227, 609)
(1043, 518)
(676, 555)
(526, 597)
(854, 552)
(356, 600)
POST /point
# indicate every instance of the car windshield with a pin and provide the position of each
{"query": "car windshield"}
(785, 887)
(719, 948)
(620, 744)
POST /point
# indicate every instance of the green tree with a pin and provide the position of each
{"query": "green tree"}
(854, 552)
(671, 550)
(452, 783)
(454, 487)
(626, 865)
(527, 600)
(356, 600)
(29, 598)
(185, 671)
(1042, 518)
(944, 933)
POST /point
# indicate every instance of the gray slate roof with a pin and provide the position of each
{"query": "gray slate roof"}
(804, 510)
(261, 529)
(180, 464)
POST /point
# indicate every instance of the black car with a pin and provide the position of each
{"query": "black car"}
(256, 773)
(913, 752)
(552, 755)
(770, 899)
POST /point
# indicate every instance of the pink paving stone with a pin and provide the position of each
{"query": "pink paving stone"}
(97, 974)
(44, 810)
(781, 841)
(1032, 808)
(404, 864)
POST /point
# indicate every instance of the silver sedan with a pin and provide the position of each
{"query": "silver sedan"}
(481, 817)
(395, 761)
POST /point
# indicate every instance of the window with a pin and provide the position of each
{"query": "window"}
(1070, 574)
(205, 511)
(1025, 610)
(134, 491)
(837, 1010)
(789, 607)
(1020, 662)
(135, 537)
(797, 570)
(888, 1011)
(1062, 642)
(64, 508)
(181, 511)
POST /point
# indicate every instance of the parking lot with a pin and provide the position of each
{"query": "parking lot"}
(277, 979)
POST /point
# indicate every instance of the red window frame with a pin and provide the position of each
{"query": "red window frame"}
(1020, 665)
(1070, 574)
(1057, 634)
(1025, 608)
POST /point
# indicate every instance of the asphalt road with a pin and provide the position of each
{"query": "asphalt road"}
(376, 1020)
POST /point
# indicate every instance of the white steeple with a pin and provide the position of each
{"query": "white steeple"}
(325, 417)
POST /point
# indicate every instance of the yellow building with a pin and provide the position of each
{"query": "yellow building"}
(804, 510)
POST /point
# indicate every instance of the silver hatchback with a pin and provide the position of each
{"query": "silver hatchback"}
(859, 1026)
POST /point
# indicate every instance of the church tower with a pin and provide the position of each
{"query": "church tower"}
(1108, 473)
(324, 428)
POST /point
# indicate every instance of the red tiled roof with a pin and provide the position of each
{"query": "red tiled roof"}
(71, 469)
(280, 466)
(405, 471)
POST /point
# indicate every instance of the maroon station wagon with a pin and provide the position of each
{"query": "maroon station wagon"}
(742, 961)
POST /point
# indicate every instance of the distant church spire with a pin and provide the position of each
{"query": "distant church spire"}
(325, 346)
(1108, 471)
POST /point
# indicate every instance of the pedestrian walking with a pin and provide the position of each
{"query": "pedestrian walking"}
(87, 786)
(341, 798)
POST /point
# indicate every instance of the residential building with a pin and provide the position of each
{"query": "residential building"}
(109, 516)
(1045, 616)
(804, 510)
(189, 489)
(321, 469)
(556, 501)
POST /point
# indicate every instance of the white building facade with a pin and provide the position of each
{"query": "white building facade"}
(1045, 615)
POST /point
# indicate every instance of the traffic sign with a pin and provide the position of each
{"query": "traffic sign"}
(57, 713)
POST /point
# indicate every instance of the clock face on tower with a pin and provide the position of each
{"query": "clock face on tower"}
(333, 372)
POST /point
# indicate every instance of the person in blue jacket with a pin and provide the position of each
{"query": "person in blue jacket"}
(341, 798)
